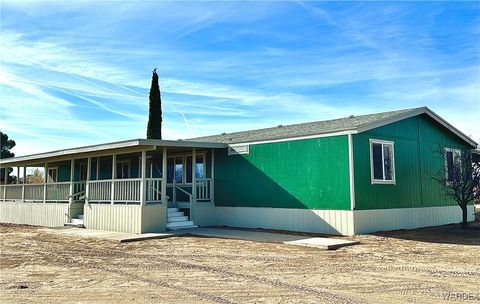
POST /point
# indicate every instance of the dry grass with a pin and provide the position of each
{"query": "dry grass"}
(418, 266)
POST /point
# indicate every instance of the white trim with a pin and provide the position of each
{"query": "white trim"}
(382, 181)
(339, 133)
(351, 172)
(141, 144)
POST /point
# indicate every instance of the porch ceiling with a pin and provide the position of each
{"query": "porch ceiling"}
(126, 146)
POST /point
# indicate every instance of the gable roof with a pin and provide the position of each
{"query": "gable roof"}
(352, 124)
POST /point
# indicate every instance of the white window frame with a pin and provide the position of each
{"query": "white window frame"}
(184, 156)
(457, 154)
(393, 181)
(50, 179)
(123, 161)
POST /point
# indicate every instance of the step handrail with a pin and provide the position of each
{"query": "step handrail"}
(75, 194)
(190, 196)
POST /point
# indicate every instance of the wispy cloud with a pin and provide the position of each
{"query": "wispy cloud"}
(78, 73)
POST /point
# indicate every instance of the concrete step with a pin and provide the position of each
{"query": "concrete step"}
(173, 214)
(172, 210)
(80, 216)
(176, 225)
(181, 227)
(74, 225)
(77, 221)
(172, 219)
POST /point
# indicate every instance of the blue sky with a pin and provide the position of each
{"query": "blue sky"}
(78, 73)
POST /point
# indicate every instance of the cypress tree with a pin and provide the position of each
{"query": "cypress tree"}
(154, 127)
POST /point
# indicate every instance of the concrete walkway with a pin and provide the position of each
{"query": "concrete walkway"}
(318, 242)
(256, 236)
(121, 237)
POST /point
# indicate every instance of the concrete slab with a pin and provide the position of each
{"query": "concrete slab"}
(257, 236)
(121, 237)
(318, 242)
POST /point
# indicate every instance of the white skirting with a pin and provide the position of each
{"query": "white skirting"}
(304, 220)
(48, 214)
(340, 222)
(367, 221)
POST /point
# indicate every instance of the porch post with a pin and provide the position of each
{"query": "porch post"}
(142, 181)
(87, 182)
(114, 174)
(5, 184)
(98, 169)
(212, 176)
(24, 182)
(194, 175)
(18, 175)
(72, 171)
(164, 176)
(45, 183)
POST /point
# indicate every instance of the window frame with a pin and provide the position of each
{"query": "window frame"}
(50, 180)
(456, 154)
(393, 181)
(184, 156)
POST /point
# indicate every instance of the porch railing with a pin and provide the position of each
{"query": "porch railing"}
(153, 190)
(125, 191)
(204, 189)
(100, 191)
(57, 191)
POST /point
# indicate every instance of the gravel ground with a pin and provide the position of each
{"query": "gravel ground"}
(429, 265)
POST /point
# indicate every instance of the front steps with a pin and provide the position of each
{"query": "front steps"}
(176, 219)
(76, 222)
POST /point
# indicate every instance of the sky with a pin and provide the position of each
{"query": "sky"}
(77, 73)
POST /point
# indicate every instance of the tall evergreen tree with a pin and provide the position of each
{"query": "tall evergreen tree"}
(154, 127)
(6, 144)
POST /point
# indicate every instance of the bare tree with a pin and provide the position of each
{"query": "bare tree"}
(461, 179)
(36, 177)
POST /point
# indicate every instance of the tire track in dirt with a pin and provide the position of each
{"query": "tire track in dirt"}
(115, 253)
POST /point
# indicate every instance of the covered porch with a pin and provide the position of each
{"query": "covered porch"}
(123, 186)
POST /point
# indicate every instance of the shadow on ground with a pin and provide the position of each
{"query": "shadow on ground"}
(447, 234)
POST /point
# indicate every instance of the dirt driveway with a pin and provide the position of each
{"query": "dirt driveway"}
(431, 265)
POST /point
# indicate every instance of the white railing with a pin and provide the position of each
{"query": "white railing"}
(127, 190)
(153, 190)
(204, 189)
(100, 191)
(57, 191)
(13, 191)
(34, 192)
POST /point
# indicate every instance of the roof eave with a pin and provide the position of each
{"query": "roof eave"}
(415, 112)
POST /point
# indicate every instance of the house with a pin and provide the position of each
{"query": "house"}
(346, 176)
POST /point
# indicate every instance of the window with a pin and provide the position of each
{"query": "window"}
(382, 162)
(52, 175)
(180, 168)
(123, 168)
(452, 160)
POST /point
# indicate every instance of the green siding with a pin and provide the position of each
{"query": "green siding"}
(307, 174)
(417, 141)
